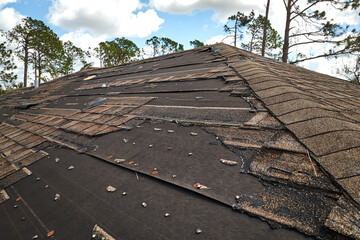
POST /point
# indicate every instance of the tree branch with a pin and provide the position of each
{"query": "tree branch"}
(304, 10)
(340, 52)
(315, 41)
(304, 34)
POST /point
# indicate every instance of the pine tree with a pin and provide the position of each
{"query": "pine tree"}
(7, 67)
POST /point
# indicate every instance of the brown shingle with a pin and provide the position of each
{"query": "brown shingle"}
(296, 105)
(310, 113)
(318, 126)
(342, 164)
(332, 142)
(352, 186)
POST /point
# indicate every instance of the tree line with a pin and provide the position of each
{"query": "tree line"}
(39, 49)
(304, 25)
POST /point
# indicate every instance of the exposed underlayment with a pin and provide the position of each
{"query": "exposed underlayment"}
(168, 147)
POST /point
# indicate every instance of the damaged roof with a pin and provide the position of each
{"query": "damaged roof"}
(209, 143)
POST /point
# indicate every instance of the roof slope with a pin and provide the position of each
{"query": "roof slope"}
(192, 134)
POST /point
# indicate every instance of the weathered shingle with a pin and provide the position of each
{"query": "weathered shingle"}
(189, 135)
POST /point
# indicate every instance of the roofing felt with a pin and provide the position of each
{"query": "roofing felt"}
(195, 144)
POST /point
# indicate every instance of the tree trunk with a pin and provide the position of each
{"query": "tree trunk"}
(236, 19)
(39, 69)
(251, 42)
(287, 30)
(26, 62)
(265, 28)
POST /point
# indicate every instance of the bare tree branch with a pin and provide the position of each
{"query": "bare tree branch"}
(337, 53)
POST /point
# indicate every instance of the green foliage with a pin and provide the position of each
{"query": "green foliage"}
(196, 43)
(7, 67)
(163, 45)
(316, 28)
(40, 48)
(46, 49)
(353, 4)
(117, 51)
(68, 57)
(237, 24)
(273, 42)
(36, 45)
(154, 43)
(23, 35)
(169, 46)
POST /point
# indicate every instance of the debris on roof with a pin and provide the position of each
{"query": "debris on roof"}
(286, 137)
(99, 233)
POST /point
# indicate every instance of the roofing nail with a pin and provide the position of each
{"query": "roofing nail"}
(110, 189)
(57, 196)
(167, 214)
(198, 231)
(157, 129)
(57, 160)
(228, 162)
(171, 131)
(193, 134)
(119, 160)
(200, 186)
(71, 167)
(144, 204)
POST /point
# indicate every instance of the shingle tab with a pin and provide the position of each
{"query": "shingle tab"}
(342, 164)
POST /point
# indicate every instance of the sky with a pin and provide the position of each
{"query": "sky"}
(88, 22)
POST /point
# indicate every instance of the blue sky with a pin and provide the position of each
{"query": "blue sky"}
(88, 22)
(197, 24)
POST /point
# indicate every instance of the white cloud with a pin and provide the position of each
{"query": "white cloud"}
(223, 8)
(9, 17)
(111, 19)
(82, 39)
(228, 39)
(4, 2)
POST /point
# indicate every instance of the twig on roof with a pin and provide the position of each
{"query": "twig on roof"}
(312, 164)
